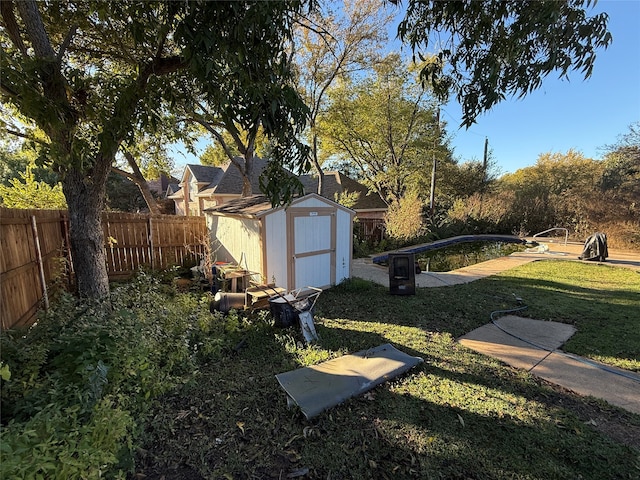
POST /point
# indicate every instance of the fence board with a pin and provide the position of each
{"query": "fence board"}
(150, 241)
(20, 286)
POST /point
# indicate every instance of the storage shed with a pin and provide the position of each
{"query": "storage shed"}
(308, 243)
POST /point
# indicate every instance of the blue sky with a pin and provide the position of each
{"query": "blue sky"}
(578, 114)
(583, 115)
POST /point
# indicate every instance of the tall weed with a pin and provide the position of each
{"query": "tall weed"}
(82, 379)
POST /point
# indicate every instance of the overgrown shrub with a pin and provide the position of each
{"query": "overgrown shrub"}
(83, 378)
(403, 220)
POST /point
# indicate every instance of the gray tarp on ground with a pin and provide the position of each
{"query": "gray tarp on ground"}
(320, 387)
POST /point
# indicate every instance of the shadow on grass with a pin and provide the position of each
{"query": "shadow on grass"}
(474, 404)
(606, 319)
(459, 415)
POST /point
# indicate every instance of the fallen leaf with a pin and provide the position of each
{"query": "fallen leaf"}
(292, 455)
(461, 420)
(182, 414)
(240, 426)
(308, 431)
(291, 440)
(300, 472)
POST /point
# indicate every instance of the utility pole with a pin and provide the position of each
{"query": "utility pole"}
(486, 159)
(432, 205)
(484, 173)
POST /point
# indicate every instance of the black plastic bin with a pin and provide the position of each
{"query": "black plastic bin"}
(285, 308)
(283, 313)
(402, 273)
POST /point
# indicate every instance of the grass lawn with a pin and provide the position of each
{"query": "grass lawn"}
(459, 415)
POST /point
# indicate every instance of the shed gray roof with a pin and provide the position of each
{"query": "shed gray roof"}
(257, 205)
(252, 206)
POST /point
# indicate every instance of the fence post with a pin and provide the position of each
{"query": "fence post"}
(151, 244)
(43, 281)
(66, 243)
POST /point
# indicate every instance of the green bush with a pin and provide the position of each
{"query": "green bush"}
(80, 383)
(67, 443)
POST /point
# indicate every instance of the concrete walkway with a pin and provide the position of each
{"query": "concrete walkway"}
(534, 344)
(365, 268)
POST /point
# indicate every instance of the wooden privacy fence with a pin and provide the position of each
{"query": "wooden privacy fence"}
(34, 253)
(155, 241)
(32, 246)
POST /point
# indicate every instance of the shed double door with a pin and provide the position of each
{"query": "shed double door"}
(311, 247)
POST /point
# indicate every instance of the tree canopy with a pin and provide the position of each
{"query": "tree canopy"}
(622, 166)
(483, 52)
(330, 45)
(386, 125)
(90, 74)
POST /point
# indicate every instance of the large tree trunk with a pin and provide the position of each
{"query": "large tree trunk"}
(85, 203)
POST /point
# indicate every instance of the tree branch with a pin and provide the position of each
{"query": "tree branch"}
(35, 29)
(65, 44)
(164, 66)
(138, 178)
(11, 25)
(28, 137)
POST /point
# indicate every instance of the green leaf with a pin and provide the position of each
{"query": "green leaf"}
(5, 372)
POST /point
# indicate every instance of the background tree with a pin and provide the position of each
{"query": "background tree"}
(122, 195)
(215, 154)
(554, 192)
(617, 211)
(621, 176)
(331, 44)
(249, 89)
(232, 144)
(25, 191)
(145, 157)
(88, 74)
(483, 52)
(16, 157)
(386, 125)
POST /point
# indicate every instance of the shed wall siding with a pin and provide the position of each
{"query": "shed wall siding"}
(311, 202)
(232, 237)
(313, 242)
(344, 236)
(275, 248)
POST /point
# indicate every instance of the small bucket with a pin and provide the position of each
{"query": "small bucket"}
(223, 302)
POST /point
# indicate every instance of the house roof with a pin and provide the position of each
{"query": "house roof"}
(205, 173)
(231, 181)
(159, 185)
(174, 191)
(337, 183)
(227, 180)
